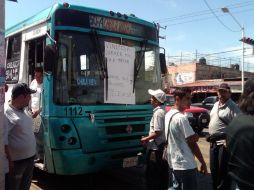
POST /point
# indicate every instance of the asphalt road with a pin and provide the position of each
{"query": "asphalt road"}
(124, 179)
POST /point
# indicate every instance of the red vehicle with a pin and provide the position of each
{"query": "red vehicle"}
(198, 117)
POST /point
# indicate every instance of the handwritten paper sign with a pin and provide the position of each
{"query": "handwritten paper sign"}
(120, 63)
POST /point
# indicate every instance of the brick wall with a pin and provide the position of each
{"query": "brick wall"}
(204, 72)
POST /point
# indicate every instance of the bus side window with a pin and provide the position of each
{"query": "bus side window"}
(14, 47)
(13, 58)
(35, 50)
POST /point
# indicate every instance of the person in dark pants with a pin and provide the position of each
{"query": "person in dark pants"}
(156, 168)
(221, 115)
(240, 142)
(20, 145)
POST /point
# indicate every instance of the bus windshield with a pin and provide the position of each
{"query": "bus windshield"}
(79, 74)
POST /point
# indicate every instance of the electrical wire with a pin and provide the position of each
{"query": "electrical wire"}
(187, 17)
(204, 12)
(207, 18)
(220, 21)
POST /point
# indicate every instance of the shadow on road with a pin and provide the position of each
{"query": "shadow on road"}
(130, 179)
(108, 180)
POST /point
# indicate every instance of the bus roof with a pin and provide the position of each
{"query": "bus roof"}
(46, 14)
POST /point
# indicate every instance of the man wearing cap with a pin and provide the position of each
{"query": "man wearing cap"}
(20, 145)
(156, 174)
(222, 113)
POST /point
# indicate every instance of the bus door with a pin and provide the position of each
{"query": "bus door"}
(35, 53)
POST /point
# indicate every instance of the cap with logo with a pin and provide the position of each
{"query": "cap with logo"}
(158, 94)
(21, 88)
(224, 86)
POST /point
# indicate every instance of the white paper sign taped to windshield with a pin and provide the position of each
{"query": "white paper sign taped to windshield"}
(120, 63)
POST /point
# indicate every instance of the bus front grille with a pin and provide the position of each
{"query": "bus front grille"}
(119, 139)
(123, 129)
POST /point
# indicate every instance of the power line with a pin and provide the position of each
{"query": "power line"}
(207, 18)
(220, 21)
(204, 12)
(186, 18)
(209, 54)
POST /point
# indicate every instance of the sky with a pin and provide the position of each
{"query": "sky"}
(194, 28)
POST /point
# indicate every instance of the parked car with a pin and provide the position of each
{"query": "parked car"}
(198, 117)
(207, 103)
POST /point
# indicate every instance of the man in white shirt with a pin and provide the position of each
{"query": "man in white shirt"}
(156, 170)
(182, 143)
(36, 107)
(20, 145)
(36, 84)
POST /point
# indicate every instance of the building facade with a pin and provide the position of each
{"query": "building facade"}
(194, 72)
(203, 79)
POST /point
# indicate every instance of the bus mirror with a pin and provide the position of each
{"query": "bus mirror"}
(50, 57)
(163, 63)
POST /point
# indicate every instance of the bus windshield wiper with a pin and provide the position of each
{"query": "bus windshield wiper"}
(100, 59)
(138, 61)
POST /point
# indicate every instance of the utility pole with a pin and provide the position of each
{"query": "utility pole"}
(161, 27)
(196, 56)
(2, 90)
(226, 10)
(181, 59)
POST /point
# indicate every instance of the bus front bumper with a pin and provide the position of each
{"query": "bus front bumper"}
(76, 162)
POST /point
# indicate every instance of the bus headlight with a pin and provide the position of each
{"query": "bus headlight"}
(65, 128)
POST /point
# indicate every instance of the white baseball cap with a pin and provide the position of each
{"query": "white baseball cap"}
(158, 94)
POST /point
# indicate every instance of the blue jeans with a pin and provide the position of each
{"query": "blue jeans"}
(185, 179)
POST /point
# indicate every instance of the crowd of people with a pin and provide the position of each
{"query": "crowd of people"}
(231, 138)
(171, 143)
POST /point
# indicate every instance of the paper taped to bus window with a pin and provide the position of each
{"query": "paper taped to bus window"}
(120, 64)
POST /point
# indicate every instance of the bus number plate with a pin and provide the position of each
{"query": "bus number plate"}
(130, 162)
(73, 111)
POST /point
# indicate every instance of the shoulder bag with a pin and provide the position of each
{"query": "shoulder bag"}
(165, 153)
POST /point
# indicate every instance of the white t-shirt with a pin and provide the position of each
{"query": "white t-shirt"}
(35, 97)
(19, 135)
(179, 152)
(157, 124)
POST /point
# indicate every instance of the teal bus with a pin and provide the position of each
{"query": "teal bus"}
(97, 68)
